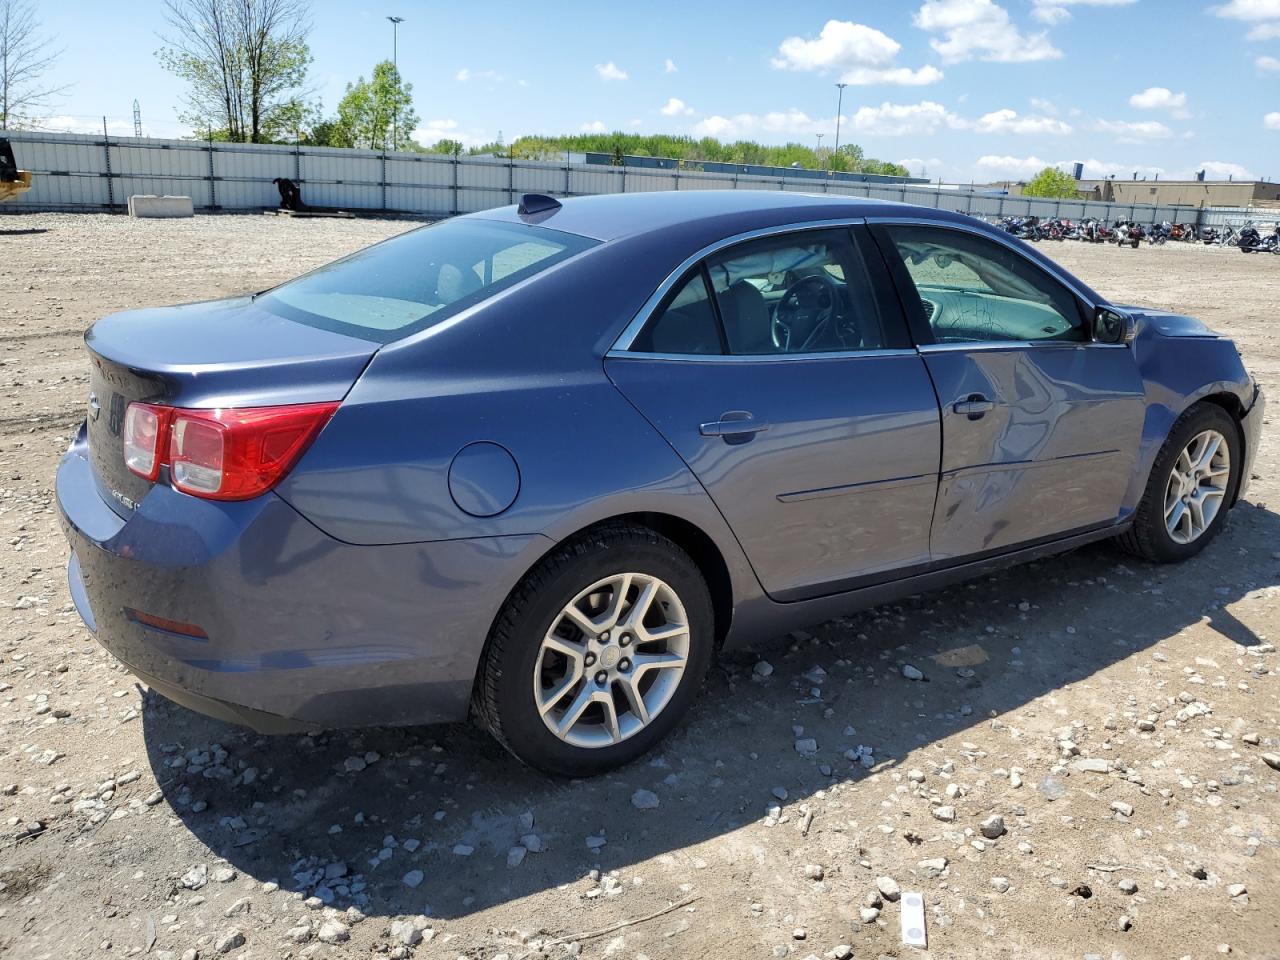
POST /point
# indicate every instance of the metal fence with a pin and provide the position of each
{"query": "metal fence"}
(91, 172)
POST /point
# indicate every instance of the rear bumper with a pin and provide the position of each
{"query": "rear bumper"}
(1251, 427)
(303, 631)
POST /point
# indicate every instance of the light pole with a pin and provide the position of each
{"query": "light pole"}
(395, 104)
(839, 108)
(819, 150)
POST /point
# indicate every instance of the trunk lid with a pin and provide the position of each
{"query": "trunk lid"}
(221, 353)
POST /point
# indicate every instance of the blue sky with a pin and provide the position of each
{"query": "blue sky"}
(959, 89)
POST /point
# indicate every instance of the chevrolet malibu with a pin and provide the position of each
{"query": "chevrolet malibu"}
(536, 466)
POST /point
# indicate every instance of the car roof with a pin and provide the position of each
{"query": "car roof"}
(615, 215)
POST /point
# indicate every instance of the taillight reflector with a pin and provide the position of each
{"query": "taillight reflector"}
(226, 454)
(143, 442)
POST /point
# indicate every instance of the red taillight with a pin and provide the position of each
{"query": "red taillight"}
(231, 454)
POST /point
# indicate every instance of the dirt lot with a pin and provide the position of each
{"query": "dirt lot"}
(1114, 714)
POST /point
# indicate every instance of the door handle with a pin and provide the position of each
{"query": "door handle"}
(736, 426)
(975, 406)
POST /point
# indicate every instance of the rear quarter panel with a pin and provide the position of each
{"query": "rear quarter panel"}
(525, 371)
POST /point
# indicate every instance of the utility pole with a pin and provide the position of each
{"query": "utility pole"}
(839, 108)
(395, 109)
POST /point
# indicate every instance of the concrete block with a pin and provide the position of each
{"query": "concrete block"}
(148, 205)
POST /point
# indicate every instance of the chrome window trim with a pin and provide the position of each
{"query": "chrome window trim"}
(622, 345)
(1000, 237)
(616, 354)
(632, 330)
(970, 346)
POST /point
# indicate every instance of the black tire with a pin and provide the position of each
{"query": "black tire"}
(1149, 537)
(503, 701)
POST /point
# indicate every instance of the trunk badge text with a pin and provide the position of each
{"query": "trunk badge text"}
(127, 502)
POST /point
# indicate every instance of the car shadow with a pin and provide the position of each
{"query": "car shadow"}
(379, 805)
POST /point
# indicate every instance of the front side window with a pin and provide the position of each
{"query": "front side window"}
(976, 290)
(418, 279)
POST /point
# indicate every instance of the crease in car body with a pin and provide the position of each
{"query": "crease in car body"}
(768, 400)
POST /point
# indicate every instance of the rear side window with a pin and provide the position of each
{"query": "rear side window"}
(420, 278)
(801, 293)
(687, 324)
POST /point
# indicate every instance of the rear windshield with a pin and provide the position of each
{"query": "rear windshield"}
(418, 279)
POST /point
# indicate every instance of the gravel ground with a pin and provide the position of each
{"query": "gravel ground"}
(1081, 768)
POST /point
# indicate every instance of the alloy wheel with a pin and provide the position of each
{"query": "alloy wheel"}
(1197, 486)
(612, 660)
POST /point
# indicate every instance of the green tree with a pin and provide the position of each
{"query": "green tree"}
(245, 65)
(691, 152)
(445, 145)
(377, 114)
(1051, 182)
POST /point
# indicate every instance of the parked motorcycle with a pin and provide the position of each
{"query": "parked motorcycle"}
(1093, 230)
(1251, 241)
(1126, 231)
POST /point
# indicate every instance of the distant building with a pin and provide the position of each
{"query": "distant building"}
(1179, 193)
(1189, 193)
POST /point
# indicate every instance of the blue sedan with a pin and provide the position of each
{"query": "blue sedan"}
(536, 466)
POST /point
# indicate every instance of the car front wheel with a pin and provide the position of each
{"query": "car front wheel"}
(598, 653)
(1192, 484)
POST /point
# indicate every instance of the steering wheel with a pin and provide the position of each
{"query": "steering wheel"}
(804, 312)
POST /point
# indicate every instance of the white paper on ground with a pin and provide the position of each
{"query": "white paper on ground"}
(913, 919)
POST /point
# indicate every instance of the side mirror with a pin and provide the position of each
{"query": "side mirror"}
(1112, 326)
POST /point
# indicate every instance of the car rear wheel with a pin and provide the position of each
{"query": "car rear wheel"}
(598, 652)
(1192, 484)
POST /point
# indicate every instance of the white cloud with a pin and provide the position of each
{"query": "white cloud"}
(1272, 121)
(594, 126)
(1045, 106)
(466, 75)
(932, 167)
(1160, 98)
(1250, 10)
(115, 128)
(841, 45)
(1055, 11)
(1101, 169)
(899, 76)
(898, 119)
(786, 122)
(1222, 170)
(981, 29)
(863, 55)
(1134, 131)
(610, 71)
(676, 107)
(435, 130)
(1008, 121)
(1023, 168)
(670, 66)
(1263, 14)
(1011, 168)
(1267, 63)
